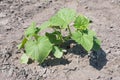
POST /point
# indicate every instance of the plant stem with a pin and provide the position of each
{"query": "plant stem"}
(36, 37)
(70, 33)
(60, 29)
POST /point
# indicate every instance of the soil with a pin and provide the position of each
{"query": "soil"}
(17, 15)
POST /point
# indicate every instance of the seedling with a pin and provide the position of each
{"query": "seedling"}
(38, 47)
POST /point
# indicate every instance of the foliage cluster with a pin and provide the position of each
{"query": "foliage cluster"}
(38, 47)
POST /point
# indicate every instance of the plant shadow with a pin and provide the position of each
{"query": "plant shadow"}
(72, 47)
(55, 62)
(98, 59)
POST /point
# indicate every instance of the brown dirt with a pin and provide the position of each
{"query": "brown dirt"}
(17, 15)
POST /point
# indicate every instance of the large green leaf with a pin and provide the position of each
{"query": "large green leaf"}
(81, 22)
(32, 30)
(85, 39)
(63, 18)
(58, 52)
(38, 50)
(44, 25)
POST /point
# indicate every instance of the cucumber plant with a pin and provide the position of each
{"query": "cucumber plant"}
(38, 47)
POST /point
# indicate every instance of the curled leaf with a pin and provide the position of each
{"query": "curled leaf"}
(81, 22)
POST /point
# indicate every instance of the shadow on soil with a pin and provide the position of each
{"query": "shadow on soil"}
(72, 47)
(55, 61)
(96, 59)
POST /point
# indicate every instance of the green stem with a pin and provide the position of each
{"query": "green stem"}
(70, 33)
(36, 37)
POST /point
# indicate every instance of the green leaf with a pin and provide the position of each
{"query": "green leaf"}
(21, 45)
(24, 59)
(96, 45)
(63, 18)
(58, 52)
(44, 25)
(81, 22)
(91, 33)
(32, 30)
(86, 40)
(55, 37)
(51, 37)
(38, 50)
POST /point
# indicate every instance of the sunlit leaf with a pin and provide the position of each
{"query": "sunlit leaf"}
(24, 59)
(32, 30)
(58, 52)
(44, 25)
(81, 22)
(86, 40)
(38, 50)
(63, 18)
